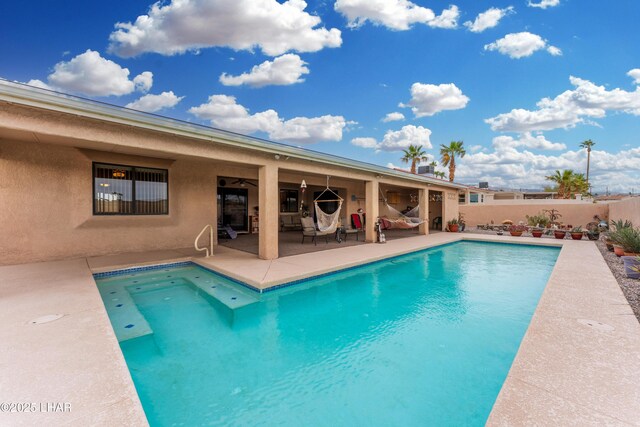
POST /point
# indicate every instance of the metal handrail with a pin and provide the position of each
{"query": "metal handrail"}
(209, 250)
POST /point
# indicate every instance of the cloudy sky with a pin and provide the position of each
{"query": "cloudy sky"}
(521, 82)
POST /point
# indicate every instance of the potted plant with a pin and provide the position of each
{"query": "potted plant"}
(626, 241)
(453, 225)
(618, 234)
(537, 232)
(630, 241)
(631, 266)
(593, 233)
(559, 234)
(576, 233)
(517, 230)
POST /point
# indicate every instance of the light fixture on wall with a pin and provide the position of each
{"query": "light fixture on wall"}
(303, 186)
(118, 173)
(276, 156)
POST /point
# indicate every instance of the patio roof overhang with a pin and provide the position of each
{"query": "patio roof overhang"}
(25, 95)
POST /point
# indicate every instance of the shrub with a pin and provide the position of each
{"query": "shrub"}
(628, 238)
(539, 220)
(620, 224)
(517, 228)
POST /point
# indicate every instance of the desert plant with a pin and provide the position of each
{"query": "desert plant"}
(539, 220)
(628, 238)
(620, 224)
(576, 229)
(453, 221)
(553, 214)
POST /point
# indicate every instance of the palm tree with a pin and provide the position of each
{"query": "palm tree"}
(414, 154)
(568, 183)
(439, 174)
(588, 144)
(448, 155)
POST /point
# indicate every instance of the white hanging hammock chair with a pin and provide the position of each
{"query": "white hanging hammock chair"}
(328, 223)
(410, 219)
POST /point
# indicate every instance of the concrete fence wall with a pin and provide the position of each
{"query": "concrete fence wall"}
(576, 215)
(626, 209)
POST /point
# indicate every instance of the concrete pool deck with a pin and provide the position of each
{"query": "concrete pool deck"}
(577, 365)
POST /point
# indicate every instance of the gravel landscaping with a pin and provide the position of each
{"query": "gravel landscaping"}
(630, 287)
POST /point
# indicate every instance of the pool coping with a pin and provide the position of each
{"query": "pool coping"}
(543, 386)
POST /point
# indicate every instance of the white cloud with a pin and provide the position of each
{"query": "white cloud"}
(394, 14)
(188, 25)
(508, 167)
(488, 19)
(393, 117)
(448, 19)
(284, 70)
(91, 74)
(570, 108)
(635, 75)
(428, 99)
(365, 142)
(543, 4)
(224, 112)
(520, 45)
(152, 103)
(398, 140)
(526, 140)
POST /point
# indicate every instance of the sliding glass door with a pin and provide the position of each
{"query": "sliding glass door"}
(233, 208)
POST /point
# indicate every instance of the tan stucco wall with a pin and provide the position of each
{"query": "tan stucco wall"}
(576, 215)
(626, 209)
(46, 209)
(46, 189)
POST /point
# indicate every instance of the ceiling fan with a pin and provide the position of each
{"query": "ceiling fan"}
(243, 182)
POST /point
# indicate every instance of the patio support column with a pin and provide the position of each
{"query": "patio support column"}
(268, 211)
(371, 209)
(423, 209)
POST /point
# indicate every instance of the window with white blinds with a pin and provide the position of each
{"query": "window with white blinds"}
(128, 190)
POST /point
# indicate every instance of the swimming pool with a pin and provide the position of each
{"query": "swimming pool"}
(423, 339)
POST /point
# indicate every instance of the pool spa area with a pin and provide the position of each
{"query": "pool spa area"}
(421, 339)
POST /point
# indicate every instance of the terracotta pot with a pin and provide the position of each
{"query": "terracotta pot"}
(516, 233)
(609, 244)
(631, 266)
(453, 228)
(618, 250)
(537, 233)
(577, 236)
(559, 234)
(593, 236)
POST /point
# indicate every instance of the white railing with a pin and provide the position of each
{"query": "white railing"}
(209, 250)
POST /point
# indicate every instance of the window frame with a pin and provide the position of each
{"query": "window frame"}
(297, 200)
(134, 200)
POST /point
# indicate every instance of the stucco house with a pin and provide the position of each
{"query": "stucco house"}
(83, 178)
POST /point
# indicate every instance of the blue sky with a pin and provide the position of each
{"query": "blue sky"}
(324, 75)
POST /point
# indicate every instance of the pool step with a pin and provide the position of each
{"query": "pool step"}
(126, 319)
(129, 323)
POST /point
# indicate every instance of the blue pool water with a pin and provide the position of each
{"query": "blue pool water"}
(423, 339)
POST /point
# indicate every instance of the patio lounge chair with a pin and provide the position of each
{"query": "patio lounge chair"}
(309, 230)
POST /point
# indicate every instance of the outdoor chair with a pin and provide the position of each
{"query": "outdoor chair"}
(437, 223)
(290, 222)
(348, 228)
(309, 230)
(356, 222)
